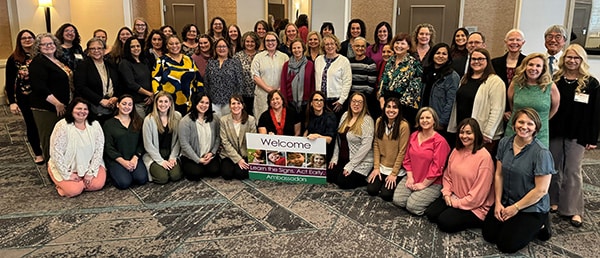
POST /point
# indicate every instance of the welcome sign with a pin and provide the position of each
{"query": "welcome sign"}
(288, 159)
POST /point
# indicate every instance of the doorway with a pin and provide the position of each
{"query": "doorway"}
(178, 13)
(442, 14)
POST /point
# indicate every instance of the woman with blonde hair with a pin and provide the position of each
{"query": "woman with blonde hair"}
(313, 46)
(532, 87)
(352, 158)
(573, 130)
(291, 33)
(161, 141)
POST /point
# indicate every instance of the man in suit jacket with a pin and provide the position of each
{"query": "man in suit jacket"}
(555, 39)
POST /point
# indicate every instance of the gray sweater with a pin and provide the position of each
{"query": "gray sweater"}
(360, 148)
(188, 138)
(151, 144)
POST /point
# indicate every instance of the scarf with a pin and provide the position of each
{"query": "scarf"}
(278, 126)
(296, 71)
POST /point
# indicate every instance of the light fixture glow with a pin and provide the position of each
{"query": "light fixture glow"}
(45, 3)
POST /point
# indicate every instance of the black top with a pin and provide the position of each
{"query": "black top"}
(459, 64)
(16, 84)
(133, 77)
(120, 141)
(47, 78)
(88, 83)
(575, 119)
(291, 119)
(465, 97)
(164, 143)
(72, 56)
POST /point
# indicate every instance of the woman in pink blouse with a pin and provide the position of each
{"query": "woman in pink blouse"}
(467, 184)
(424, 163)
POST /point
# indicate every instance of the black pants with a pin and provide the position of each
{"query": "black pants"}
(231, 170)
(195, 171)
(249, 105)
(32, 132)
(377, 187)
(353, 180)
(450, 219)
(515, 233)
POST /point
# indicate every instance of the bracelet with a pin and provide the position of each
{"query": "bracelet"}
(516, 206)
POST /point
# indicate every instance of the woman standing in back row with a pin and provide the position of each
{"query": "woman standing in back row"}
(573, 130)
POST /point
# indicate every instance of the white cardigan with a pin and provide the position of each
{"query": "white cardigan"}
(339, 77)
(64, 149)
(488, 108)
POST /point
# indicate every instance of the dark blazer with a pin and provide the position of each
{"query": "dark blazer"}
(499, 64)
(48, 78)
(88, 84)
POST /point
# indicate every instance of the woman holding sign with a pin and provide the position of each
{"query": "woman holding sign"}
(234, 126)
(278, 119)
(353, 156)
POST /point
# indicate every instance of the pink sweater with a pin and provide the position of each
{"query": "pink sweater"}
(426, 161)
(469, 179)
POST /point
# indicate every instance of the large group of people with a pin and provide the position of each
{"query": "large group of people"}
(441, 130)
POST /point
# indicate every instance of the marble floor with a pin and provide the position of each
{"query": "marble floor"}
(217, 218)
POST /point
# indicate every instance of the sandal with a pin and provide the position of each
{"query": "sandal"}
(576, 223)
(39, 161)
(553, 208)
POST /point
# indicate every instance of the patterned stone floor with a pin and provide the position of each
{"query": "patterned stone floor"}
(216, 218)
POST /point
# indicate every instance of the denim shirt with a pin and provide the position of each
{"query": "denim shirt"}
(519, 172)
(443, 93)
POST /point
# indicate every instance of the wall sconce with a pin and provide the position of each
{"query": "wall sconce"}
(46, 4)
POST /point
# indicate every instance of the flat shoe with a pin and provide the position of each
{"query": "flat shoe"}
(40, 162)
(545, 232)
(553, 210)
(576, 223)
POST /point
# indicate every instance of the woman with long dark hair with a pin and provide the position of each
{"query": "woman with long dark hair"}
(136, 77)
(123, 145)
(320, 121)
(389, 147)
(440, 84)
(18, 88)
(467, 183)
(199, 133)
(356, 28)
(70, 40)
(383, 35)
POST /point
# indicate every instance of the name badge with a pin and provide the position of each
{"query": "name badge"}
(78, 56)
(582, 98)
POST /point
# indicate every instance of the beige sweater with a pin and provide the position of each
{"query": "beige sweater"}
(389, 152)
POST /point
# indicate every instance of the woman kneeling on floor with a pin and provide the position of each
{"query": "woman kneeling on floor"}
(77, 142)
(424, 162)
(524, 168)
(467, 183)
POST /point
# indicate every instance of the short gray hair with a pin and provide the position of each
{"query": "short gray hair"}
(556, 29)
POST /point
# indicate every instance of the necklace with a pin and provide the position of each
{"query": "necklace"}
(569, 81)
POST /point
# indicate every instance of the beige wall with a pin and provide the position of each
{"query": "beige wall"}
(372, 13)
(86, 14)
(493, 24)
(150, 10)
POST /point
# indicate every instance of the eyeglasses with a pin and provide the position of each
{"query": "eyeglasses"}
(318, 100)
(356, 101)
(475, 42)
(49, 44)
(221, 47)
(557, 37)
(478, 59)
(575, 58)
(26, 38)
(359, 46)
(270, 40)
